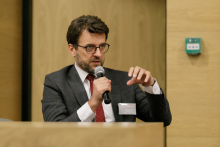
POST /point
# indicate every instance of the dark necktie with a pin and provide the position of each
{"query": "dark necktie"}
(100, 117)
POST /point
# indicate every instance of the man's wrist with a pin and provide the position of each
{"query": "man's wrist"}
(93, 104)
(85, 113)
(151, 83)
(154, 89)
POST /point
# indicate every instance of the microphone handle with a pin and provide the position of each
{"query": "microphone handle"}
(106, 97)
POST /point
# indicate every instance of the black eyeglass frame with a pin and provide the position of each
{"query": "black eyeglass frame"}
(95, 48)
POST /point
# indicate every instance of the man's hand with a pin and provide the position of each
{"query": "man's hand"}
(140, 76)
(100, 85)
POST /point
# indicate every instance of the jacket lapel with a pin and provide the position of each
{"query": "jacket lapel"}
(77, 86)
(115, 95)
(81, 96)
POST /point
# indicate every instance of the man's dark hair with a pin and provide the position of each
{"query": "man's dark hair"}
(92, 24)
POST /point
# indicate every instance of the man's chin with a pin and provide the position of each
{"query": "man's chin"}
(94, 65)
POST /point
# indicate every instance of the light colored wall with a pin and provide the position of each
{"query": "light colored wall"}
(10, 59)
(137, 37)
(193, 82)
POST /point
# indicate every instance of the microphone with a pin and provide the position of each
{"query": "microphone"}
(100, 72)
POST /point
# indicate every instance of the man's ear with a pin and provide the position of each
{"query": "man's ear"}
(72, 50)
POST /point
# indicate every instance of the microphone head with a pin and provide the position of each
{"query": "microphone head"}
(99, 69)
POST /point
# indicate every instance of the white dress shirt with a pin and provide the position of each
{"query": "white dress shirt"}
(87, 115)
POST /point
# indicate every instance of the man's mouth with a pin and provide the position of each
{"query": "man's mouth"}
(96, 62)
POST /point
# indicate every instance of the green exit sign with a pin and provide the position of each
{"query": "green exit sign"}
(193, 46)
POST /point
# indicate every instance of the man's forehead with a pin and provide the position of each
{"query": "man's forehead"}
(91, 37)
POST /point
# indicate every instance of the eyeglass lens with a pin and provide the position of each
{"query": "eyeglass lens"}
(92, 48)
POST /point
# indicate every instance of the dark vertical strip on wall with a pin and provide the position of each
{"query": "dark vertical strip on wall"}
(26, 59)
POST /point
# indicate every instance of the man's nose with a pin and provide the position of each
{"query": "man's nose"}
(97, 53)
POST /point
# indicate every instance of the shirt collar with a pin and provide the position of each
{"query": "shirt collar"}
(82, 74)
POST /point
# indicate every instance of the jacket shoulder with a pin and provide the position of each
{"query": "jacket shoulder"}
(62, 72)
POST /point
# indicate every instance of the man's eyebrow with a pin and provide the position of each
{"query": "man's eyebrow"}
(89, 44)
(94, 44)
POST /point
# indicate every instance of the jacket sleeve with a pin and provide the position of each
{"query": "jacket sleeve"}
(53, 106)
(151, 107)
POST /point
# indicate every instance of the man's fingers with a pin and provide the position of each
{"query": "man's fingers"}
(131, 81)
(102, 84)
(141, 74)
(148, 74)
(136, 71)
(131, 70)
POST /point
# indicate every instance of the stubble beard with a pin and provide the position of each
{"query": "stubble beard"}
(85, 66)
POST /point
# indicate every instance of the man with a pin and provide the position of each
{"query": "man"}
(71, 94)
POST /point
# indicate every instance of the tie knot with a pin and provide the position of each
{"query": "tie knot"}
(90, 77)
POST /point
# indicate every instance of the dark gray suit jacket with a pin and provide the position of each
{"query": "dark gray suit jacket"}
(64, 94)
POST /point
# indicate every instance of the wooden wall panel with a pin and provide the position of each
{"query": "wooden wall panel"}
(10, 59)
(193, 82)
(137, 37)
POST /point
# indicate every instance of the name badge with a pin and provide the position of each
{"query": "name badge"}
(127, 108)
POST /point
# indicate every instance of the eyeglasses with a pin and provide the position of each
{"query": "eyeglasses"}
(91, 49)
